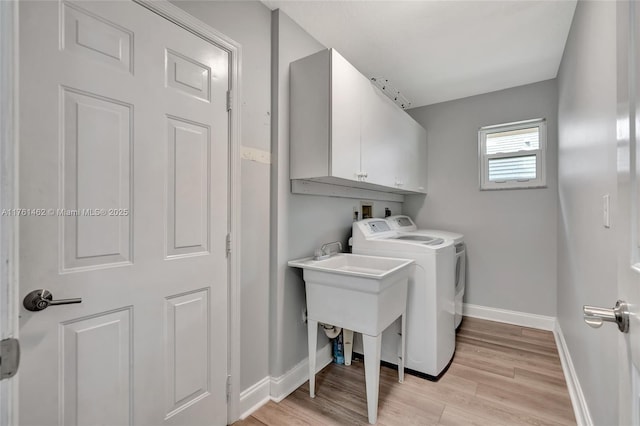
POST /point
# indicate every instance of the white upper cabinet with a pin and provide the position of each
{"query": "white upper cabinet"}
(379, 134)
(345, 131)
(346, 86)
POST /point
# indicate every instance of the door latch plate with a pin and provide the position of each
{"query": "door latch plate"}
(9, 358)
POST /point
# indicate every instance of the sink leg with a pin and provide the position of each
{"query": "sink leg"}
(372, 346)
(312, 340)
(403, 333)
(347, 345)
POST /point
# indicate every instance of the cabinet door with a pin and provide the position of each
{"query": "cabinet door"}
(346, 112)
(379, 156)
(412, 174)
(420, 172)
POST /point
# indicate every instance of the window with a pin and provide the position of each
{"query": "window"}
(512, 155)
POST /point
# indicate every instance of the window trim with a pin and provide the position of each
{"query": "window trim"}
(541, 156)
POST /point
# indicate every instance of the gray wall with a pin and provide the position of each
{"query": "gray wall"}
(587, 265)
(249, 23)
(510, 234)
(300, 223)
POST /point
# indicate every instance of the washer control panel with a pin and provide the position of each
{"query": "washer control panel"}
(377, 226)
(401, 223)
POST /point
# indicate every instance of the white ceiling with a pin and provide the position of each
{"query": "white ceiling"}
(435, 51)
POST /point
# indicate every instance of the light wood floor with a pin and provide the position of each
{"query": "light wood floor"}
(501, 375)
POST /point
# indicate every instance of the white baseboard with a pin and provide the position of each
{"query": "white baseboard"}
(254, 397)
(282, 386)
(523, 319)
(580, 408)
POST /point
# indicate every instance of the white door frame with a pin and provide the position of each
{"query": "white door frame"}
(9, 284)
(8, 195)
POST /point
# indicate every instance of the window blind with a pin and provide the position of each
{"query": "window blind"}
(512, 168)
(513, 141)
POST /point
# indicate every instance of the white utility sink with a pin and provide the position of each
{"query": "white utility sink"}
(358, 293)
(369, 274)
(354, 291)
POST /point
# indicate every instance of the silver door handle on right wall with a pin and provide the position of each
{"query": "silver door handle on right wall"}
(595, 316)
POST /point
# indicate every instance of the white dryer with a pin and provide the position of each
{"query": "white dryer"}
(404, 225)
(430, 339)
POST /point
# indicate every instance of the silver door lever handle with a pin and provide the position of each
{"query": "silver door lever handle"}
(38, 300)
(595, 316)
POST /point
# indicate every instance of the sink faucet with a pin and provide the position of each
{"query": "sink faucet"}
(323, 253)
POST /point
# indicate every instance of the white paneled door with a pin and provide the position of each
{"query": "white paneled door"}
(124, 153)
(628, 97)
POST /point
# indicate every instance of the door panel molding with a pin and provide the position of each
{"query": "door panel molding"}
(90, 124)
(189, 167)
(99, 347)
(81, 33)
(187, 75)
(187, 343)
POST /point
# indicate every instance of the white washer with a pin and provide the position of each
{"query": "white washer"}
(430, 339)
(404, 225)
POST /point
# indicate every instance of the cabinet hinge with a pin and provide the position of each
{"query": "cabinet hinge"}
(228, 388)
(228, 244)
(9, 358)
(229, 106)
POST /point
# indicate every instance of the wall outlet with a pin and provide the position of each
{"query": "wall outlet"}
(367, 209)
(304, 316)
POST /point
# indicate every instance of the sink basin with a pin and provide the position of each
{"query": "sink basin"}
(354, 265)
(356, 292)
